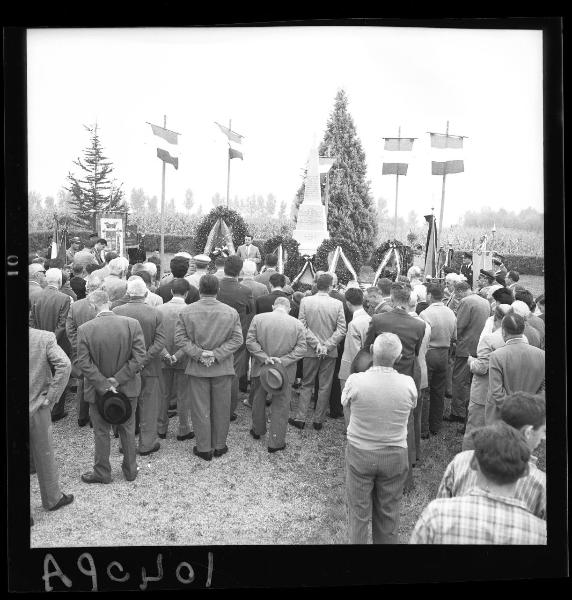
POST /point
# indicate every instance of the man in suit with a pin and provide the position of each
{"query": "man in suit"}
(77, 282)
(323, 318)
(274, 337)
(104, 271)
(173, 383)
(45, 358)
(179, 266)
(99, 251)
(202, 262)
(209, 333)
(150, 320)
(384, 304)
(151, 299)
(265, 303)
(233, 293)
(270, 262)
(249, 252)
(533, 320)
(79, 313)
(467, 268)
(110, 353)
(472, 314)
(36, 281)
(49, 313)
(515, 367)
(532, 334)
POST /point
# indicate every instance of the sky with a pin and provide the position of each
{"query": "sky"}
(278, 85)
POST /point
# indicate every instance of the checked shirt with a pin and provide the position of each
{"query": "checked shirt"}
(459, 479)
(480, 517)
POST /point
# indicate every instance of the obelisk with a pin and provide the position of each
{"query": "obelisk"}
(311, 228)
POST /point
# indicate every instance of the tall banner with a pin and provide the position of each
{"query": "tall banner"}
(431, 248)
(111, 226)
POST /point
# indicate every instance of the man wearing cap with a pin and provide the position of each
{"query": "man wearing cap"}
(249, 252)
(110, 352)
(467, 267)
(150, 320)
(202, 262)
(498, 265)
(487, 284)
(74, 247)
(276, 341)
(209, 333)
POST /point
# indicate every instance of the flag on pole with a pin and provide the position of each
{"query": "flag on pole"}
(449, 167)
(232, 153)
(166, 134)
(394, 169)
(231, 135)
(442, 140)
(398, 144)
(431, 247)
(166, 157)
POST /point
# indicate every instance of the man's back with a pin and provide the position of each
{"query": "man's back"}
(265, 302)
(80, 312)
(264, 277)
(166, 285)
(323, 316)
(276, 332)
(170, 312)
(472, 314)
(239, 297)
(258, 289)
(480, 517)
(443, 324)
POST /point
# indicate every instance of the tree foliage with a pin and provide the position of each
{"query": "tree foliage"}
(527, 219)
(93, 189)
(290, 246)
(351, 250)
(233, 220)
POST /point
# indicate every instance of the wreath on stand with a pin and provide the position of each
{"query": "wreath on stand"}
(405, 259)
(293, 262)
(351, 251)
(233, 220)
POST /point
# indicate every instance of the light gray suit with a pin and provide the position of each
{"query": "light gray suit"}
(44, 390)
(280, 335)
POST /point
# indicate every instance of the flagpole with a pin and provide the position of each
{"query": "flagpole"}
(443, 192)
(228, 167)
(163, 201)
(396, 187)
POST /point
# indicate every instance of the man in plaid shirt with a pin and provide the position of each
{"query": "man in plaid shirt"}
(489, 513)
(527, 413)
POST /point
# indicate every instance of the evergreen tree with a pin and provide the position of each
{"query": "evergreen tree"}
(152, 204)
(270, 205)
(282, 210)
(49, 202)
(137, 200)
(189, 200)
(93, 190)
(351, 212)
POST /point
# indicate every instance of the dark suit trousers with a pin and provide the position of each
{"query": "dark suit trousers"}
(461, 387)
(210, 410)
(436, 359)
(82, 405)
(374, 487)
(239, 364)
(336, 392)
(279, 410)
(101, 428)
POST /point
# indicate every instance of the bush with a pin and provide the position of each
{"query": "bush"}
(289, 245)
(351, 251)
(525, 265)
(405, 254)
(234, 221)
(38, 240)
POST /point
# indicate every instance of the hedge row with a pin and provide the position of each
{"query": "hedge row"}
(525, 265)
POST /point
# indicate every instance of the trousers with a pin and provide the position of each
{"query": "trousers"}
(436, 359)
(148, 406)
(239, 364)
(42, 453)
(324, 369)
(374, 487)
(210, 410)
(279, 410)
(475, 419)
(82, 405)
(101, 430)
(174, 385)
(461, 387)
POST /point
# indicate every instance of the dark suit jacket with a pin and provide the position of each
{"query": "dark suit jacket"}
(110, 346)
(78, 284)
(410, 332)
(472, 314)
(150, 320)
(79, 313)
(264, 277)
(239, 297)
(34, 291)
(164, 291)
(265, 303)
(50, 312)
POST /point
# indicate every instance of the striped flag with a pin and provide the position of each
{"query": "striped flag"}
(166, 157)
(449, 167)
(394, 169)
(231, 135)
(232, 153)
(398, 144)
(442, 140)
(166, 134)
(431, 248)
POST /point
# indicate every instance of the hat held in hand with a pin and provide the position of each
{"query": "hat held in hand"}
(273, 378)
(114, 407)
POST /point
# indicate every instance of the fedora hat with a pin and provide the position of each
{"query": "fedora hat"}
(488, 274)
(114, 407)
(362, 362)
(273, 378)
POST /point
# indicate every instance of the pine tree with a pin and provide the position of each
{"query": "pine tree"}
(352, 216)
(93, 190)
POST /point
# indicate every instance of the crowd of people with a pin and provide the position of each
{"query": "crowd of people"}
(394, 360)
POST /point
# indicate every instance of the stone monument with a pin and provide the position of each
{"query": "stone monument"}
(311, 229)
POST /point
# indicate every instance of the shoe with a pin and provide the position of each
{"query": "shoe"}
(59, 417)
(64, 501)
(246, 402)
(163, 436)
(233, 417)
(83, 422)
(270, 449)
(92, 478)
(454, 419)
(317, 426)
(203, 455)
(297, 424)
(130, 478)
(220, 451)
(188, 436)
(154, 449)
(254, 435)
